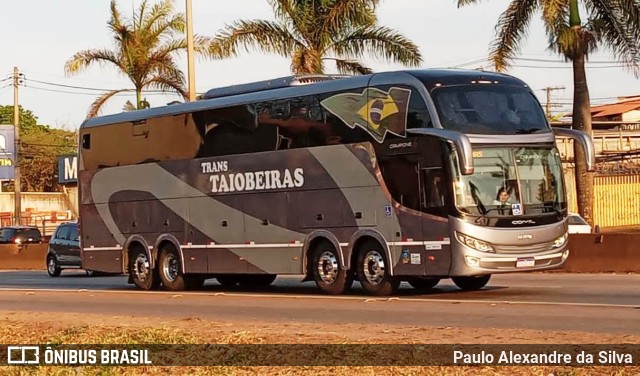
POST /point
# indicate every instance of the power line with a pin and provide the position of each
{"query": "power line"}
(561, 61)
(127, 92)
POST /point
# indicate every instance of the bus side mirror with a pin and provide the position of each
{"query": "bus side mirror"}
(585, 141)
(463, 148)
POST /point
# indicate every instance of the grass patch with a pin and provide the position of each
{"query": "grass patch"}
(23, 332)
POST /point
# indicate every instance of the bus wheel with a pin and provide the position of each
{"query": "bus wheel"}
(471, 283)
(169, 268)
(325, 267)
(256, 280)
(140, 271)
(373, 272)
(423, 284)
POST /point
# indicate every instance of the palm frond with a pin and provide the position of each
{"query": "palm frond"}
(378, 41)
(615, 30)
(351, 67)
(511, 29)
(168, 84)
(462, 3)
(96, 106)
(351, 13)
(261, 35)
(631, 13)
(83, 59)
(295, 15)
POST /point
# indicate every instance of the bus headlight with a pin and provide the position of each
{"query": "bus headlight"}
(474, 243)
(560, 241)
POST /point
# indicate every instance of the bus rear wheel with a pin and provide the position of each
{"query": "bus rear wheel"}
(472, 283)
(326, 271)
(140, 271)
(170, 271)
(423, 284)
(373, 270)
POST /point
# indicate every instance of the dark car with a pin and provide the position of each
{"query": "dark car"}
(20, 235)
(64, 249)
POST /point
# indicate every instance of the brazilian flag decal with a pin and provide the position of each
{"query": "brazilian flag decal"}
(375, 111)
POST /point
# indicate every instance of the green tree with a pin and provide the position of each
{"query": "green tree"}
(144, 51)
(40, 147)
(309, 32)
(613, 24)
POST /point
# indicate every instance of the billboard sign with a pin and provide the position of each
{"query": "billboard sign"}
(7, 152)
(68, 169)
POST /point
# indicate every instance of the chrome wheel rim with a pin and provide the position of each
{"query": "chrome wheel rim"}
(374, 267)
(51, 265)
(141, 267)
(328, 267)
(170, 267)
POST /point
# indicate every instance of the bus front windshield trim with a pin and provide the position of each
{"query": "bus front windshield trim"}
(512, 182)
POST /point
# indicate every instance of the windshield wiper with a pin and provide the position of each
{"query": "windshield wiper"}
(526, 131)
(549, 208)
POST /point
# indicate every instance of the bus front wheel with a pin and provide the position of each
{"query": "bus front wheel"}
(373, 270)
(140, 271)
(471, 283)
(326, 271)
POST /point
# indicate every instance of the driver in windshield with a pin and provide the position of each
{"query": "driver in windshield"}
(502, 197)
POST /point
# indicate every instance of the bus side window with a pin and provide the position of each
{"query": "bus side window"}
(433, 194)
(400, 174)
(234, 130)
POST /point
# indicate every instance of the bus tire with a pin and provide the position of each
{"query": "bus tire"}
(256, 280)
(170, 269)
(140, 272)
(423, 284)
(372, 269)
(471, 283)
(326, 271)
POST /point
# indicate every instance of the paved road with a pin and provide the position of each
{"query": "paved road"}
(546, 301)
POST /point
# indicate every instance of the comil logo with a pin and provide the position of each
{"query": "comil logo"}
(23, 355)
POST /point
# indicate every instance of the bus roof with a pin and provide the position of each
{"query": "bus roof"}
(287, 87)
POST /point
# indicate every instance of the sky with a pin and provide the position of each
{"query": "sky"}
(39, 36)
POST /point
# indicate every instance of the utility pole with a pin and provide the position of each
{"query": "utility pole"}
(16, 164)
(548, 104)
(190, 53)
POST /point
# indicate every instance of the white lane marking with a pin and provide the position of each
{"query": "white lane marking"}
(363, 298)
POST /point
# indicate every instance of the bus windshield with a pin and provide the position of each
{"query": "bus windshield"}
(489, 109)
(512, 181)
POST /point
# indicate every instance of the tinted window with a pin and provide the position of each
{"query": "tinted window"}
(6, 234)
(73, 233)
(63, 233)
(489, 109)
(31, 233)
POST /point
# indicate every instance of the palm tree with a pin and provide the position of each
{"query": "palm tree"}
(144, 51)
(310, 32)
(614, 24)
